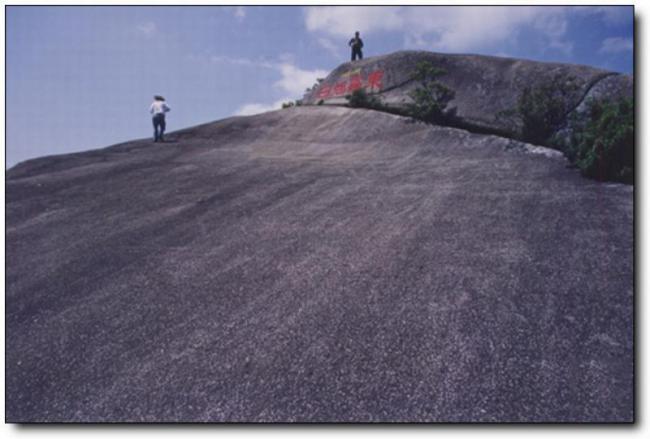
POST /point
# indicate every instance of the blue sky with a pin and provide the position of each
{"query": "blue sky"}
(83, 77)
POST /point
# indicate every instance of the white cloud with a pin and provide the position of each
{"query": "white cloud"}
(240, 13)
(616, 44)
(294, 80)
(147, 29)
(242, 61)
(457, 28)
(330, 47)
(256, 108)
(554, 26)
(345, 20)
(611, 15)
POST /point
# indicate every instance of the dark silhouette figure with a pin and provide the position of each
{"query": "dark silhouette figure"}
(158, 109)
(356, 45)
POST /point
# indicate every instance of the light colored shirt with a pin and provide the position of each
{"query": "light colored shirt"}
(159, 107)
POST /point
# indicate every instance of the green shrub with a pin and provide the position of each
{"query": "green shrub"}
(602, 145)
(542, 109)
(296, 103)
(361, 99)
(430, 97)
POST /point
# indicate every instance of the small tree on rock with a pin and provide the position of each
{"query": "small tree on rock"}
(430, 97)
(602, 145)
(541, 109)
(361, 99)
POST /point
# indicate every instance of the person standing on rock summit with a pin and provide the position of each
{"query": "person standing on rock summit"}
(356, 44)
(158, 109)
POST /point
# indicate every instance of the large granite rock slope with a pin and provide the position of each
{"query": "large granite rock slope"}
(320, 264)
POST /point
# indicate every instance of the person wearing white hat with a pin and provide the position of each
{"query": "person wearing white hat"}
(158, 109)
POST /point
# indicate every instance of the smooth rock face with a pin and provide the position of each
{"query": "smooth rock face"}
(318, 264)
(484, 85)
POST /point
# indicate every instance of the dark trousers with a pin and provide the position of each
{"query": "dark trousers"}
(158, 127)
(356, 51)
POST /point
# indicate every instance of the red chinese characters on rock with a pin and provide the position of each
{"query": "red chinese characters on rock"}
(355, 82)
(339, 88)
(324, 91)
(374, 80)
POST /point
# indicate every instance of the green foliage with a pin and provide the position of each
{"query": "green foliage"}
(602, 145)
(361, 99)
(289, 104)
(542, 109)
(430, 97)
